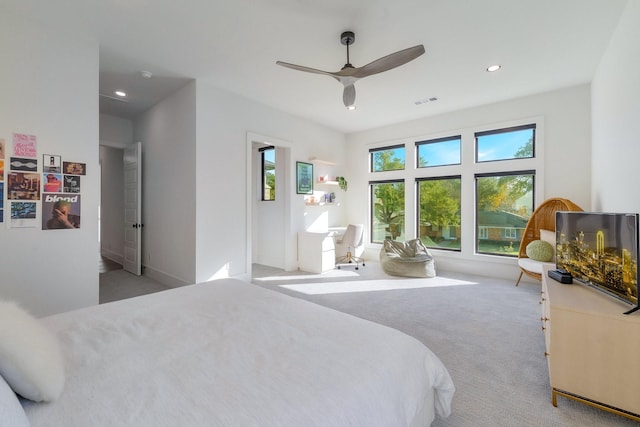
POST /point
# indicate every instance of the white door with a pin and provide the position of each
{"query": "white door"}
(132, 208)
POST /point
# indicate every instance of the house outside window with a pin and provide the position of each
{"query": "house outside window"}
(474, 189)
(439, 212)
(504, 203)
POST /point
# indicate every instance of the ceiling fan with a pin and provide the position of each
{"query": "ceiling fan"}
(349, 74)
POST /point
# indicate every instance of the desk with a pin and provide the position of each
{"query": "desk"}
(316, 251)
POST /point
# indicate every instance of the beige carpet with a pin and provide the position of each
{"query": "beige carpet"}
(486, 331)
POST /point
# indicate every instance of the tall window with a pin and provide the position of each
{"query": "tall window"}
(387, 158)
(268, 162)
(438, 152)
(439, 212)
(387, 210)
(504, 203)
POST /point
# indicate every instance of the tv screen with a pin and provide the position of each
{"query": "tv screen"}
(600, 250)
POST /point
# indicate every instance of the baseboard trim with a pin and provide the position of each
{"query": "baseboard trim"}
(164, 278)
(110, 255)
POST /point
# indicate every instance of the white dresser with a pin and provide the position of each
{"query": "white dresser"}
(593, 349)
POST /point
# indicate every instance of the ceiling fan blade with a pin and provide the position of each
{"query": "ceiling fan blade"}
(388, 62)
(349, 95)
(305, 69)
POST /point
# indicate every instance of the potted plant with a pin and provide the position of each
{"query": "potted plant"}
(342, 182)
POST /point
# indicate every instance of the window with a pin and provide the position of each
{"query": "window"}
(387, 210)
(439, 212)
(504, 203)
(438, 152)
(505, 144)
(268, 162)
(387, 158)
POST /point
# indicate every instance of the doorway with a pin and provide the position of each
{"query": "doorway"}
(269, 224)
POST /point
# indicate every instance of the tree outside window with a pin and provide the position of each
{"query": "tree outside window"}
(439, 212)
(387, 199)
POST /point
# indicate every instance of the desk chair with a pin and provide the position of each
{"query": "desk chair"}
(350, 246)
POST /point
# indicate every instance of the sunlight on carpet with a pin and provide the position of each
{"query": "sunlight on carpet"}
(373, 285)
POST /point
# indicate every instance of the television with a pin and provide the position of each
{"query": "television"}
(600, 250)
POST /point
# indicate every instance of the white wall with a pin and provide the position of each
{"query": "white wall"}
(616, 120)
(115, 131)
(169, 179)
(567, 157)
(223, 120)
(49, 86)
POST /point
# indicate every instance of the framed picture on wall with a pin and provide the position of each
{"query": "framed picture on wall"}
(304, 178)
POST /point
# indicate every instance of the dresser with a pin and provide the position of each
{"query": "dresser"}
(592, 348)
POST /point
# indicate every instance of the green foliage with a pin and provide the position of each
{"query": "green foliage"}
(440, 202)
(385, 161)
(389, 204)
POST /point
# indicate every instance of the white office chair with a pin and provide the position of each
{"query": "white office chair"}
(351, 246)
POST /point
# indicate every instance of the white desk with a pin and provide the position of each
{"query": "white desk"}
(316, 251)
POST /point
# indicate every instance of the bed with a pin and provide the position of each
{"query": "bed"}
(229, 353)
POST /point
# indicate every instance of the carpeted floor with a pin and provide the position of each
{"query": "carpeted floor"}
(486, 331)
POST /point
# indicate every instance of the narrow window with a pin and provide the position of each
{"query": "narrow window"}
(504, 203)
(439, 212)
(387, 158)
(268, 162)
(506, 144)
(438, 152)
(387, 210)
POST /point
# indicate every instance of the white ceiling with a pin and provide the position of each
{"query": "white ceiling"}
(234, 44)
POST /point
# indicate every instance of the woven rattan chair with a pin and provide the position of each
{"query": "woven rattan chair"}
(543, 218)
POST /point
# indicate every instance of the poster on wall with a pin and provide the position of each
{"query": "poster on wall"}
(51, 163)
(1, 148)
(24, 145)
(74, 168)
(23, 186)
(71, 184)
(2, 202)
(60, 211)
(23, 164)
(52, 182)
(23, 215)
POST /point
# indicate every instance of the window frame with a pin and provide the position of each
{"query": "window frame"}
(509, 129)
(478, 227)
(386, 148)
(418, 180)
(263, 172)
(418, 144)
(372, 197)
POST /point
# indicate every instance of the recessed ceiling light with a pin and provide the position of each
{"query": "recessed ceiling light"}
(120, 93)
(493, 68)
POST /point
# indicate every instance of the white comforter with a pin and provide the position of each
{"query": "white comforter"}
(228, 353)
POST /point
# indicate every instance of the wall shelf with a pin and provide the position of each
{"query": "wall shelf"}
(325, 162)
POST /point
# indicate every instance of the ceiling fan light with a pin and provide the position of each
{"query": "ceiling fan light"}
(351, 107)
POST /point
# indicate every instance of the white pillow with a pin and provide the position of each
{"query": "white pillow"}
(550, 237)
(11, 412)
(30, 359)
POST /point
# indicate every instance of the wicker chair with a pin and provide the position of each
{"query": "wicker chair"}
(543, 218)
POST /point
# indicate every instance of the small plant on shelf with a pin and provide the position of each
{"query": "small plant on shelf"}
(342, 182)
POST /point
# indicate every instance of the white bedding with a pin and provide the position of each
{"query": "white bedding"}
(228, 353)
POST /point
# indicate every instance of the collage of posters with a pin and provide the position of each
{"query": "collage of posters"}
(56, 188)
